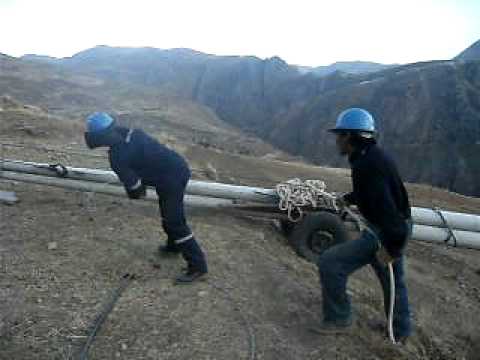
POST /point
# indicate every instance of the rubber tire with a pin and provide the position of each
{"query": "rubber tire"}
(330, 224)
(287, 227)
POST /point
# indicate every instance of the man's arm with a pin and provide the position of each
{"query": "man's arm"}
(119, 163)
(138, 191)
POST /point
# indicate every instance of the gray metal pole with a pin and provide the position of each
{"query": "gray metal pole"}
(420, 232)
(422, 216)
(107, 189)
(202, 188)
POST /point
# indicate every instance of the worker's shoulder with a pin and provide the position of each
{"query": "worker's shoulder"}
(148, 143)
(136, 133)
(374, 159)
(376, 154)
(140, 136)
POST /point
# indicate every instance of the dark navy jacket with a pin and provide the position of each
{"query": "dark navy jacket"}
(139, 157)
(380, 195)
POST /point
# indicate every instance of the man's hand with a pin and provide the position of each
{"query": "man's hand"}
(341, 201)
(384, 257)
(138, 193)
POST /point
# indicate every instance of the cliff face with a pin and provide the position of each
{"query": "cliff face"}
(428, 117)
(428, 114)
(246, 91)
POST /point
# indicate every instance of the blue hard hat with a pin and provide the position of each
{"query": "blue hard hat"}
(356, 119)
(98, 122)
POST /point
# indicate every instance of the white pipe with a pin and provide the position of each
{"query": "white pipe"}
(431, 234)
(190, 200)
(422, 216)
(457, 221)
(202, 188)
(420, 232)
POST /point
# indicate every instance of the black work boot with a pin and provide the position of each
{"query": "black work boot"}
(193, 255)
(190, 276)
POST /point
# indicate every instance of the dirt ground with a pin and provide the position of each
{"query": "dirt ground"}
(62, 253)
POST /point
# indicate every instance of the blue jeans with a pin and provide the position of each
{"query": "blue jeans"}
(338, 262)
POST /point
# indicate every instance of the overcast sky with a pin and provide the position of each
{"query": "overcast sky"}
(301, 32)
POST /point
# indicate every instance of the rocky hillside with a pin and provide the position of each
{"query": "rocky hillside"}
(63, 254)
(472, 53)
(245, 91)
(39, 99)
(428, 113)
(428, 116)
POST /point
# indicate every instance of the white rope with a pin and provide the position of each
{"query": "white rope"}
(295, 194)
(392, 304)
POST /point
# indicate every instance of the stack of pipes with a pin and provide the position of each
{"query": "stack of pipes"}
(431, 225)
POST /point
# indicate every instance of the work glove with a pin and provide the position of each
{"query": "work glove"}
(138, 193)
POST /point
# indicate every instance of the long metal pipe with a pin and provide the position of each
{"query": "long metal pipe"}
(192, 201)
(108, 189)
(432, 234)
(458, 221)
(203, 188)
(420, 232)
(422, 216)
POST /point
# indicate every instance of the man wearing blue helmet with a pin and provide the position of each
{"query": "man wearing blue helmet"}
(382, 200)
(139, 161)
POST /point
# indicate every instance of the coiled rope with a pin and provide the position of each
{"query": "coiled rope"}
(296, 194)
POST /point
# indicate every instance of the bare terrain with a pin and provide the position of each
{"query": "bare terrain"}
(62, 253)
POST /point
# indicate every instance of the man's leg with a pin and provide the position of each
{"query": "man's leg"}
(170, 247)
(335, 265)
(179, 233)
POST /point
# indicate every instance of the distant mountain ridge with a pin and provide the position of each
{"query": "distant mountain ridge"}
(33, 57)
(105, 52)
(472, 53)
(351, 67)
(428, 118)
(428, 113)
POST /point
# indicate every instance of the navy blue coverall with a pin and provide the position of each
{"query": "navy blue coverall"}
(140, 160)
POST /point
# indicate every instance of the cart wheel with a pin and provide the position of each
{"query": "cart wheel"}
(316, 233)
(287, 227)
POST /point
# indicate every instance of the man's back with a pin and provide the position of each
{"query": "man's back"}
(151, 161)
(379, 192)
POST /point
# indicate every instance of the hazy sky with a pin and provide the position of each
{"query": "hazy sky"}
(301, 32)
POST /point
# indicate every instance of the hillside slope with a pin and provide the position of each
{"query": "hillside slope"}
(260, 301)
(427, 112)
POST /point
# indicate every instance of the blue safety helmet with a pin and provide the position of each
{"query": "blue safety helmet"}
(98, 122)
(355, 119)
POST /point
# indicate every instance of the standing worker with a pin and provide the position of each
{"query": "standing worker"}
(382, 200)
(139, 161)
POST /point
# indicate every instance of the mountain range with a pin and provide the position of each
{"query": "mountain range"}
(428, 113)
